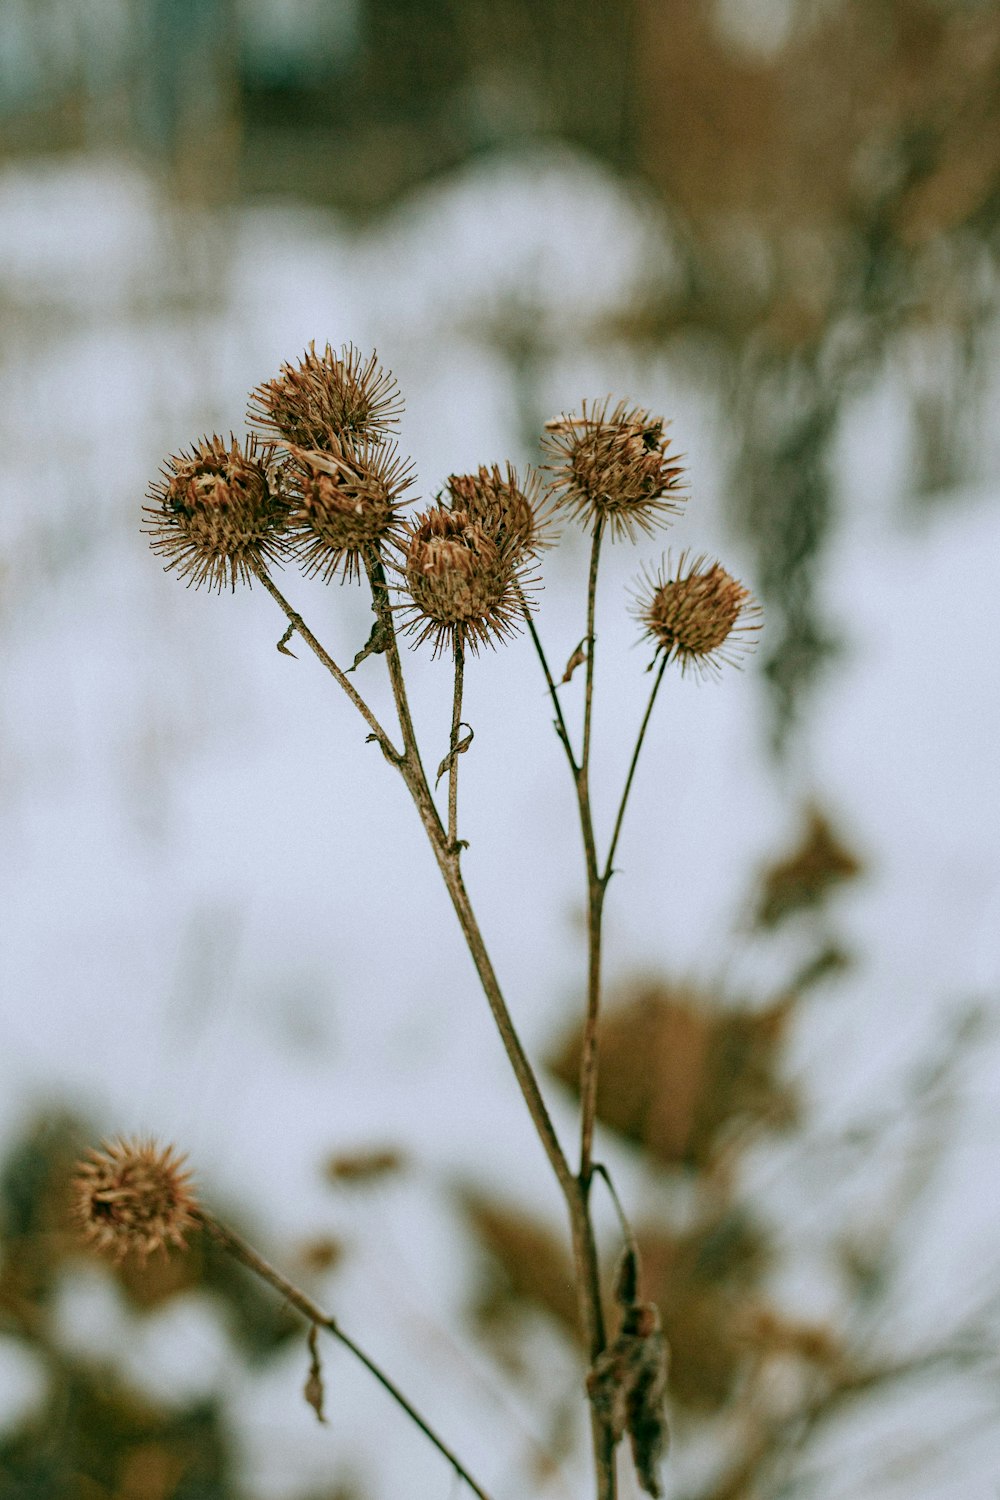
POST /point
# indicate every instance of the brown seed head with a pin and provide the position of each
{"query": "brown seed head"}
(133, 1197)
(701, 617)
(327, 397)
(217, 513)
(512, 513)
(463, 584)
(342, 501)
(614, 467)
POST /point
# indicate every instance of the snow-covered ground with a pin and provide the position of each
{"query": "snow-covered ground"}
(219, 921)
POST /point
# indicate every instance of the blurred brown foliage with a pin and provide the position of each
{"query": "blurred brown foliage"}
(828, 181)
(705, 1068)
(690, 1080)
(93, 1436)
(801, 880)
(832, 193)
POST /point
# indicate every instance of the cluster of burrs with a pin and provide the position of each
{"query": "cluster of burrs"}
(321, 482)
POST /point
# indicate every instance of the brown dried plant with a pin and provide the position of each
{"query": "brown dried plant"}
(460, 575)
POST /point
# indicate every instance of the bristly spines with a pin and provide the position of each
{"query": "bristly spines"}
(218, 515)
(343, 501)
(616, 468)
(465, 586)
(513, 511)
(696, 613)
(133, 1197)
(327, 399)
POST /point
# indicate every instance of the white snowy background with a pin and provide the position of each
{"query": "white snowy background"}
(219, 922)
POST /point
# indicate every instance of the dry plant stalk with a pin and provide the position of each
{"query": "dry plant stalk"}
(326, 487)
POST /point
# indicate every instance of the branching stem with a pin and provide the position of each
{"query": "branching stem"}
(238, 1248)
(575, 1188)
(561, 729)
(595, 889)
(297, 623)
(609, 866)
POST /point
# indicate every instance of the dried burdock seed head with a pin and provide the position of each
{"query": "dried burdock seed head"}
(696, 613)
(133, 1197)
(217, 514)
(614, 467)
(512, 513)
(327, 397)
(464, 585)
(342, 501)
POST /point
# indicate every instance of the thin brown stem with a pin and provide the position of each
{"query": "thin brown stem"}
(561, 729)
(595, 890)
(453, 757)
(591, 1315)
(608, 870)
(588, 1266)
(595, 557)
(238, 1248)
(297, 622)
(411, 769)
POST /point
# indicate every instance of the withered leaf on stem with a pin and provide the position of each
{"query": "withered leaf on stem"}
(282, 645)
(459, 748)
(313, 1390)
(577, 659)
(627, 1386)
(377, 642)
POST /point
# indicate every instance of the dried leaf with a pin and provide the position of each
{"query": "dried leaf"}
(577, 659)
(365, 1165)
(626, 1283)
(459, 748)
(376, 643)
(627, 1386)
(283, 643)
(804, 879)
(313, 1389)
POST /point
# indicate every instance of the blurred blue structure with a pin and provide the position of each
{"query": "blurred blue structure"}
(157, 76)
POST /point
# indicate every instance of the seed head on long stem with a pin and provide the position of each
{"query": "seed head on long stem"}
(133, 1197)
(510, 510)
(614, 466)
(462, 582)
(218, 513)
(326, 398)
(342, 500)
(696, 613)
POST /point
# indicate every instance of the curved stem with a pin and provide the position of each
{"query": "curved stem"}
(600, 1170)
(456, 724)
(608, 871)
(297, 622)
(238, 1248)
(561, 729)
(412, 771)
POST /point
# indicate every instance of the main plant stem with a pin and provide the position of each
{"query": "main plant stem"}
(596, 886)
(588, 1266)
(598, 878)
(448, 853)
